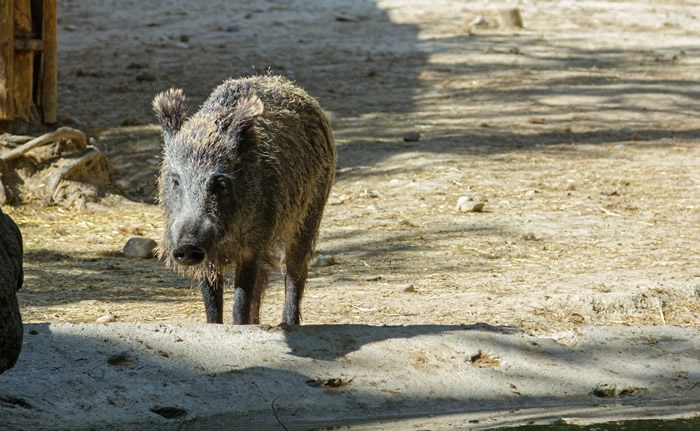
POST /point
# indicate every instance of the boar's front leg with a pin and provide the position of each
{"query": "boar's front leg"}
(212, 288)
(251, 280)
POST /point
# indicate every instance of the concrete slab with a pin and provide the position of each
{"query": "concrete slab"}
(122, 375)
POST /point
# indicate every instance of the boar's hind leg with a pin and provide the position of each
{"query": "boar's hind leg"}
(297, 255)
(251, 280)
(213, 293)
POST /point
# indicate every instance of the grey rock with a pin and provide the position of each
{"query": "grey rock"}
(139, 247)
(411, 137)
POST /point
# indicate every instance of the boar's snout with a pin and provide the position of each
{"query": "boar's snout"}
(188, 254)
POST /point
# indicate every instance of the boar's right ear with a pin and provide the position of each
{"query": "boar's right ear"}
(171, 110)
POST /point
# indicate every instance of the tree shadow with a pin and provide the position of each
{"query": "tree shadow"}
(218, 377)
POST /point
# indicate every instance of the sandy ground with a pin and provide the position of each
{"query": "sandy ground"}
(579, 132)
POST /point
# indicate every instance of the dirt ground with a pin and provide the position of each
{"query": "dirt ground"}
(579, 132)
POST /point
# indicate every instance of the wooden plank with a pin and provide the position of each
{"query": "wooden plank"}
(23, 90)
(29, 45)
(7, 35)
(49, 76)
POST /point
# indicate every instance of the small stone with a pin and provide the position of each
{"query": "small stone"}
(408, 288)
(530, 194)
(473, 207)
(182, 45)
(609, 193)
(146, 77)
(139, 247)
(529, 236)
(466, 204)
(369, 194)
(619, 147)
(373, 207)
(571, 186)
(232, 28)
(462, 200)
(411, 137)
(89, 301)
(476, 22)
(322, 260)
(184, 38)
(107, 318)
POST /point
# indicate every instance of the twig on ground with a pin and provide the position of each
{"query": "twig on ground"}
(275, 413)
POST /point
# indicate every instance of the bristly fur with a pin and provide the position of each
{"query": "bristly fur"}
(275, 144)
(171, 109)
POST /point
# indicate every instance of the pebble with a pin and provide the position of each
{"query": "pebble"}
(466, 204)
(619, 147)
(232, 28)
(107, 318)
(609, 193)
(411, 137)
(476, 22)
(408, 288)
(369, 194)
(322, 260)
(89, 301)
(530, 193)
(139, 247)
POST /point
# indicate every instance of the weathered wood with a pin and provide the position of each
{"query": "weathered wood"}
(67, 171)
(49, 76)
(62, 132)
(29, 45)
(23, 90)
(7, 35)
(15, 140)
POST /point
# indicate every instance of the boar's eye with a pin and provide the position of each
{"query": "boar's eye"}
(175, 182)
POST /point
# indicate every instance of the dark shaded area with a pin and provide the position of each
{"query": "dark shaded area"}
(329, 345)
(177, 389)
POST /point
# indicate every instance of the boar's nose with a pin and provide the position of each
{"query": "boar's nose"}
(188, 254)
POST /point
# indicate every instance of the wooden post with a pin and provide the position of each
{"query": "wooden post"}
(23, 91)
(7, 54)
(49, 63)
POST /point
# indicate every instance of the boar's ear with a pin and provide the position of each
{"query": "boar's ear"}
(171, 110)
(240, 122)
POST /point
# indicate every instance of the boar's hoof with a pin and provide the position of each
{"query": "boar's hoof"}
(188, 254)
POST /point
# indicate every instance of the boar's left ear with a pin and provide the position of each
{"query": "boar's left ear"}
(171, 110)
(240, 122)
